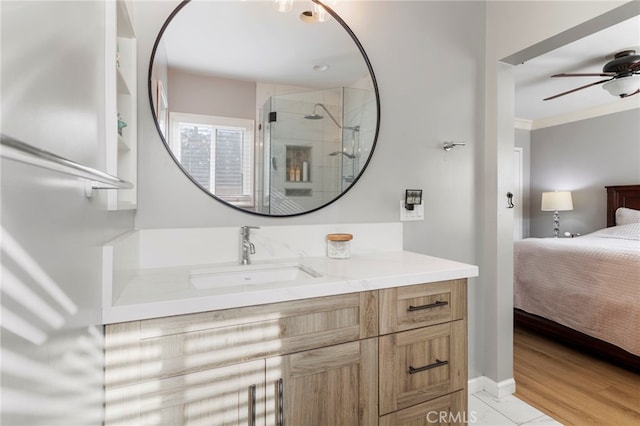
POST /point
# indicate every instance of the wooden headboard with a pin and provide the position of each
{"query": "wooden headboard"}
(621, 196)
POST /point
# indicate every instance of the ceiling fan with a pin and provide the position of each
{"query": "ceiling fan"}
(623, 72)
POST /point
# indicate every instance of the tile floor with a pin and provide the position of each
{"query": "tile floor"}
(486, 410)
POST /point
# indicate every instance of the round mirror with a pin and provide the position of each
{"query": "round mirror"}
(268, 106)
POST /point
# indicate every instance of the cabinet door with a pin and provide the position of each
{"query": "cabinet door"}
(422, 364)
(327, 386)
(231, 395)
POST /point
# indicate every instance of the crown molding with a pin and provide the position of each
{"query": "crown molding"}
(522, 123)
(620, 105)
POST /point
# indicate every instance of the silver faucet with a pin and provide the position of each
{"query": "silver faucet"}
(246, 246)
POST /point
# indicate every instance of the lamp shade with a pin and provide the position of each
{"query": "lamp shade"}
(557, 201)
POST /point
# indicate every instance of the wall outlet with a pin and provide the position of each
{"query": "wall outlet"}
(416, 214)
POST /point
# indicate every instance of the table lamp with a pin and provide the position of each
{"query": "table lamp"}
(556, 202)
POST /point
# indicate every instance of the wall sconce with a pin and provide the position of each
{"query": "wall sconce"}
(412, 197)
(556, 201)
(448, 146)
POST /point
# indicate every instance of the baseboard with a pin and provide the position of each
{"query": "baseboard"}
(498, 390)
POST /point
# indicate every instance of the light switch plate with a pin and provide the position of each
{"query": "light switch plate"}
(416, 214)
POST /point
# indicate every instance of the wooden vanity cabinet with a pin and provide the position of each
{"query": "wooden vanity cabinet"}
(313, 362)
(423, 354)
(220, 367)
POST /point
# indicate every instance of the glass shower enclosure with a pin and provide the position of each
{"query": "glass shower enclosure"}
(311, 147)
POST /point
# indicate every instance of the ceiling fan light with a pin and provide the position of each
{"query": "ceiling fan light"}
(282, 5)
(622, 86)
(320, 12)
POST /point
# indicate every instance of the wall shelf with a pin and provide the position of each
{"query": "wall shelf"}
(123, 87)
(298, 164)
(121, 101)
(123, 144)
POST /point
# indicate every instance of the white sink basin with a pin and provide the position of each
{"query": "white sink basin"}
(249, 275)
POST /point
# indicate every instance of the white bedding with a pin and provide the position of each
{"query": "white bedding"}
(589, 283)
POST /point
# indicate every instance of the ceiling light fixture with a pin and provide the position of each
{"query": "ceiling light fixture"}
(623, 86)
(283, 5)
(308, 17)
(320, 13)
(319, 9)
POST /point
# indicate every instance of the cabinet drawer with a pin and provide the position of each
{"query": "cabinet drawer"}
(422, 364)
(165, 347)
(446, 410)
(409, 307)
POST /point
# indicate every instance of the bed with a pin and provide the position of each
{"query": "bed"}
(585, 291)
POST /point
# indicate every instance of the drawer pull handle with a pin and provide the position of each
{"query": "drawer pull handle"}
(438, 363)
(280, 408)
(252, 405)
(435, 304)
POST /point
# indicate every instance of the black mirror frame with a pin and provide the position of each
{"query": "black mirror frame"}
(164, 141)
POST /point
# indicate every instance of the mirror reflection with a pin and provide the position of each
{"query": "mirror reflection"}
(273, 113)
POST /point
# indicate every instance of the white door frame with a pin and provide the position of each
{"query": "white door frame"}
(518, 161)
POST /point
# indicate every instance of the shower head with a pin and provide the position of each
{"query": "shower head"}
(313, 116)
(333, 154)
(316, 116)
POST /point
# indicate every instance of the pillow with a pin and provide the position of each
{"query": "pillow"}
(625, 216)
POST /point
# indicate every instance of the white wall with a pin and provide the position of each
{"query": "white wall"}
(53, 97)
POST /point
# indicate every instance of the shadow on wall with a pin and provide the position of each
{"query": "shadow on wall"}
(59, 381)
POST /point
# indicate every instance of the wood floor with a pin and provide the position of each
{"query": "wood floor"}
(571, 387)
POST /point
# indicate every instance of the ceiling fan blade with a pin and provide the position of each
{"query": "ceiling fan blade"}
(601, 74)
(577, 88)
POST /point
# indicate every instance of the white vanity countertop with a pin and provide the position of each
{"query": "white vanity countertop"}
(163, 292)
